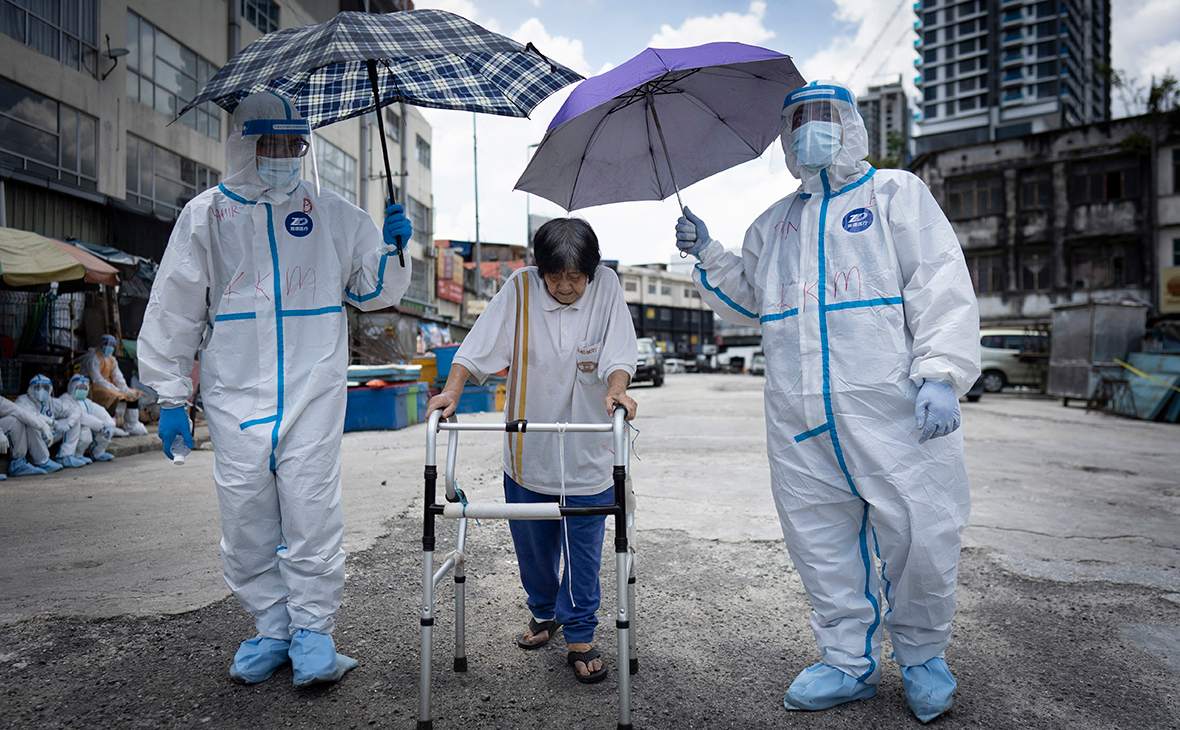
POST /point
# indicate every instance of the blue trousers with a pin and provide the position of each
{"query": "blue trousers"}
(540, 544)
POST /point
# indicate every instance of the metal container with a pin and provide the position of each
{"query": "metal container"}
(1086, 339)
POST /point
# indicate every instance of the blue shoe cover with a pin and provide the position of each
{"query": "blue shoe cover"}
(3, 476)
(314, 659)
(49, 466)
(929, 688)
(104, 456)
(72, 462)
(258, 658)
(22, 468)
(819, 687)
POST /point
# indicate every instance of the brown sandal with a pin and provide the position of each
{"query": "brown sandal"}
(537, 627)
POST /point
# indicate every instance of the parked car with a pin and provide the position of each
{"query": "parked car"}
(758, 364)
(674, 365)
(650, 365)
(1012, 357)
(976, 392)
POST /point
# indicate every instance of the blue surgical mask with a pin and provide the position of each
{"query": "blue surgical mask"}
(816, 144)
(107, 350)
(41, 394)
(281, 173)
(81, 394)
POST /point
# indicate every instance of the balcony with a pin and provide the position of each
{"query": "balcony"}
(1011, 57)
(1016, 75)
(917, 43)
(1012, 36)
(1012, 16)
(918, 80)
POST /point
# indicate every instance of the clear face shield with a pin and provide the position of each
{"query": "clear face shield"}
(816, 132)
(279, 151)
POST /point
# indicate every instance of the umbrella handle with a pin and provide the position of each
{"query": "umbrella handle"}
(372, 64)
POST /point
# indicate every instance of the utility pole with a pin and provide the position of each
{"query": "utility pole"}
(478, 248)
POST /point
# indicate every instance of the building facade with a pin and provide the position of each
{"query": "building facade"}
(89, 90)
(993, 69)
(1070, 215)
(667, 307)
(886, 112)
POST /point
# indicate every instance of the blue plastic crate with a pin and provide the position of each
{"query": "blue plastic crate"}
(382, 409)
(477, 398)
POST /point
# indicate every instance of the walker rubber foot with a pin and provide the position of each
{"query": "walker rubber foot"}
(635, 666)
(426, 725)
(460, 664)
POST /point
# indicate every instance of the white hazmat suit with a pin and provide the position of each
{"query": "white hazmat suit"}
(66, 424)
(255, 280)
(97, 425)
(860, 287)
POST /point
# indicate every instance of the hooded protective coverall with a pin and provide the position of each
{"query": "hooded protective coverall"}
(255, 279)
(859, 284)
(22, 426)
(67, 426)
(97, 424)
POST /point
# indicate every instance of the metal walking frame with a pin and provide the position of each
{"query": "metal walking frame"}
(459, 508)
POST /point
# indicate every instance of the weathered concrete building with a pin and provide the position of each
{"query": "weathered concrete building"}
(1069, 215)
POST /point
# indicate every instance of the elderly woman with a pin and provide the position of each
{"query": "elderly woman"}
(563, 331)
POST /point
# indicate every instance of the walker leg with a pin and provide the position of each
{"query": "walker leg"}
(424, 721)
(624, 627)
(460, 601)
(631, 604)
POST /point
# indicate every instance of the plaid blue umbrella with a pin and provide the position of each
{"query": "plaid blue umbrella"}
(428, 58)
(359, 62)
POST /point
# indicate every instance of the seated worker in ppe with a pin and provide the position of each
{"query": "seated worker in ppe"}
(97, 425)
(871, 333)
(564, 332)
(22, 426)
(108, 388)
(254, 279)
(66, 427)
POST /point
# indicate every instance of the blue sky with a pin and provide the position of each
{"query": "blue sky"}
(854, 41)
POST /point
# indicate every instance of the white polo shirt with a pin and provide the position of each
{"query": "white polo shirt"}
(558, 359)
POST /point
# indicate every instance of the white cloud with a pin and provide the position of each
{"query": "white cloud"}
(1144, 42)
(744, 28)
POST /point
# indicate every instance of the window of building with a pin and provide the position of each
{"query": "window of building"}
(166, 75)
(665, 290)
(47, 138)
(1047, 69)
(971, 197)
(697, 295)
(931, 18)
(1046, 29)
(949, 33)
(967, 8)
(1096, 181)
(420, 275)
(967, 46)
(930, 111)
(967, 26)
(630, 285)
(422, 148)
(930, 37)
(930, 74)
(421, 219)
(162, 180)
(651, 288)
(967, 65)
(930, 56)
(665, 316)
(1176, 252)
(1047, 9)
(1047, 49)
(393, 125)
(66, 30)
(262, 14)
(967, 84)
(1176, 172)
(967, 104)
(337, 168)
(930, 93)
(1106, 265)
(687, 292)
(987, 272)
(1036, 271)
(1036, 189)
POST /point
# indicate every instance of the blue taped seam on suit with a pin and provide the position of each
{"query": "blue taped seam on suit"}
(781, 315)
(827, 390)
(864, 303)
(721, 295)
(380, 282)
(234, 196)
(274, 257)
(256, 422)
(888, 585)
(235, 315)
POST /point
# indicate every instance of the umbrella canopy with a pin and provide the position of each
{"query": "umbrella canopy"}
(660, 122)
(27, 259)
(428, 58)
(97, 270)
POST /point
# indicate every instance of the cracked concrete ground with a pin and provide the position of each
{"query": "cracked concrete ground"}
(115, 614)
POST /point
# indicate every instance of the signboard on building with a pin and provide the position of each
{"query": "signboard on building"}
(1170, 289)
(450, 275)
(476, 306)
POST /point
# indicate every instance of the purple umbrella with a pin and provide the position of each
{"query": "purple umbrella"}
(659, 122)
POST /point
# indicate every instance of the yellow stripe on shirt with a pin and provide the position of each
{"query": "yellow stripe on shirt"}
(523, 333)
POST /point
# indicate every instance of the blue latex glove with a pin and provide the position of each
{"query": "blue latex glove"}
(396, 224)
(691, 234)
(936, 411)
(173, 423)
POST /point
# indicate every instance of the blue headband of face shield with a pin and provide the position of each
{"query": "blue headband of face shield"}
(276, 126)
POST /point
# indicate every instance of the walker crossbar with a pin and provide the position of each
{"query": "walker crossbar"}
(459, 508)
